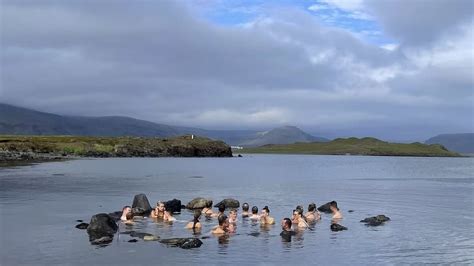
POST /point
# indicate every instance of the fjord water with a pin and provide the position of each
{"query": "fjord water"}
(430, 202)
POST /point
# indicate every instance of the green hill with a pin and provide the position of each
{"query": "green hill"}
(355, 146)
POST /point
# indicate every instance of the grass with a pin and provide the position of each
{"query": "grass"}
(355, 146)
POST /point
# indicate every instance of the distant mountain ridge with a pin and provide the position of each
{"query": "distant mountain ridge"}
(23, 121)
(462, 142)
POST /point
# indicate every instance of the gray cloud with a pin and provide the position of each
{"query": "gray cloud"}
(160, 61)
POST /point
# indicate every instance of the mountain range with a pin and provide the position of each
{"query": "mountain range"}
(462, 143)
(22, 121)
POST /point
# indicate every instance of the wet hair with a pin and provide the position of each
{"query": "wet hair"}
(129, 216)
(266, 209)
(287, 222)
(209, 204)
(311, 207)
(197, 215)
(221, 208)
(333, 204)
(299, 211)
(233, 211)
(254, 209)
(159, 203)
(245, 207)
(124, 207)
(299, 207)
(222, 218)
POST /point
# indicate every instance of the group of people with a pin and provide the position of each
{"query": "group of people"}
(228, 224)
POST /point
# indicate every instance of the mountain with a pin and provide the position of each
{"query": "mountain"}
(462, 142)
(22, 121)
(281, 135)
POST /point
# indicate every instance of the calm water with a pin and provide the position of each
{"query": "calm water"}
(430, 202)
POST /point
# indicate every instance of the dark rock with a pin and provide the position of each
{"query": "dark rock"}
(116, 215)
(183, 206)
(337, 227)
(375, 220)
(325, 208)
(132, 240)
(228, 203)
(173, 205)
(185, 243)
(101, 225)
(240, 155)
(102, 240)
(79, 221)
(82, 226)
(198, 203)
(350, 211)
(141, 205)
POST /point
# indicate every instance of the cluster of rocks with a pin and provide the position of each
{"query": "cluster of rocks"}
(375, 220)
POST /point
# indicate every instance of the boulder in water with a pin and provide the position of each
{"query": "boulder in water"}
(173, 205)
(132, 240)
(228, 203)
(337, 227)
(141, 205)
(185, 243)
(116, 215)
(375, 220)
(102, 240)
(100, 226)
(198, 203)
(82, 226)
(325, 208)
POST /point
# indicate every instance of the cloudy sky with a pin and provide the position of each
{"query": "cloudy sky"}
(397, 70)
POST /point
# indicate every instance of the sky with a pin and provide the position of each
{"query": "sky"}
(396, 70)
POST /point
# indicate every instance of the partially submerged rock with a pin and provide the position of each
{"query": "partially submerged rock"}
(375, 220)
(141, 205)
(173, 205)
(102, 240)
(228, 203)
(198, 203)
(100, 226)
(337, 227)
(82, 226)
(185, 243)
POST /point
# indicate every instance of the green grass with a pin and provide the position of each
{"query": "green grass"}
(355, 146)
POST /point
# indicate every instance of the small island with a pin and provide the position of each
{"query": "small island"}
(356, 146)
(40, 148)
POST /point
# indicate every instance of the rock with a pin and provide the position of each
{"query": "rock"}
(185, 243)
(82, 226)
(102, 240)
(350, 211)
(173, 205)
(132, 240)
(240, 155)
(228, 203)
(198, 203)
(375, 220)
(101, 225)
(141, 205)
(140, 234)
(337, 227)
(151, 238)
(116, 215)
(325, 208)
(79, 221)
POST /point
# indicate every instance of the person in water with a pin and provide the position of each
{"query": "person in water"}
(245, 210)
(195, 224)
(159, 211)
(254, 215)
(286, 232)
(298, 219)
(221, 211)
(232, 220)
(313, 214)
(265, 217)
(129, 220)
(125, 210)
(207, 211)
(336, 214)
(223, 226)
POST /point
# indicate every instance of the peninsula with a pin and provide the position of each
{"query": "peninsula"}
(31, 148)
(356, 146)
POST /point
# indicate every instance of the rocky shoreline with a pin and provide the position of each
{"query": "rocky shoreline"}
(51, 148)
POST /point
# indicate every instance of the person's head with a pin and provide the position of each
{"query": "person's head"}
(233, 214)
(286, 224)
(333, 206)
(209, 204)
(265, 211)
(129, 216)
(311, 207)
(245, 207)
(299, 207)
(160, 206)
(126, 209)
(221, 208)
(223, 221)
(197, 215)
(298, 213)
(254, 210)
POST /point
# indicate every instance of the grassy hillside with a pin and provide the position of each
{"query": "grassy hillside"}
(36, 147)
(355, 146)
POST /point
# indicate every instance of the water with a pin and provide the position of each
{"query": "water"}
(430, 202)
